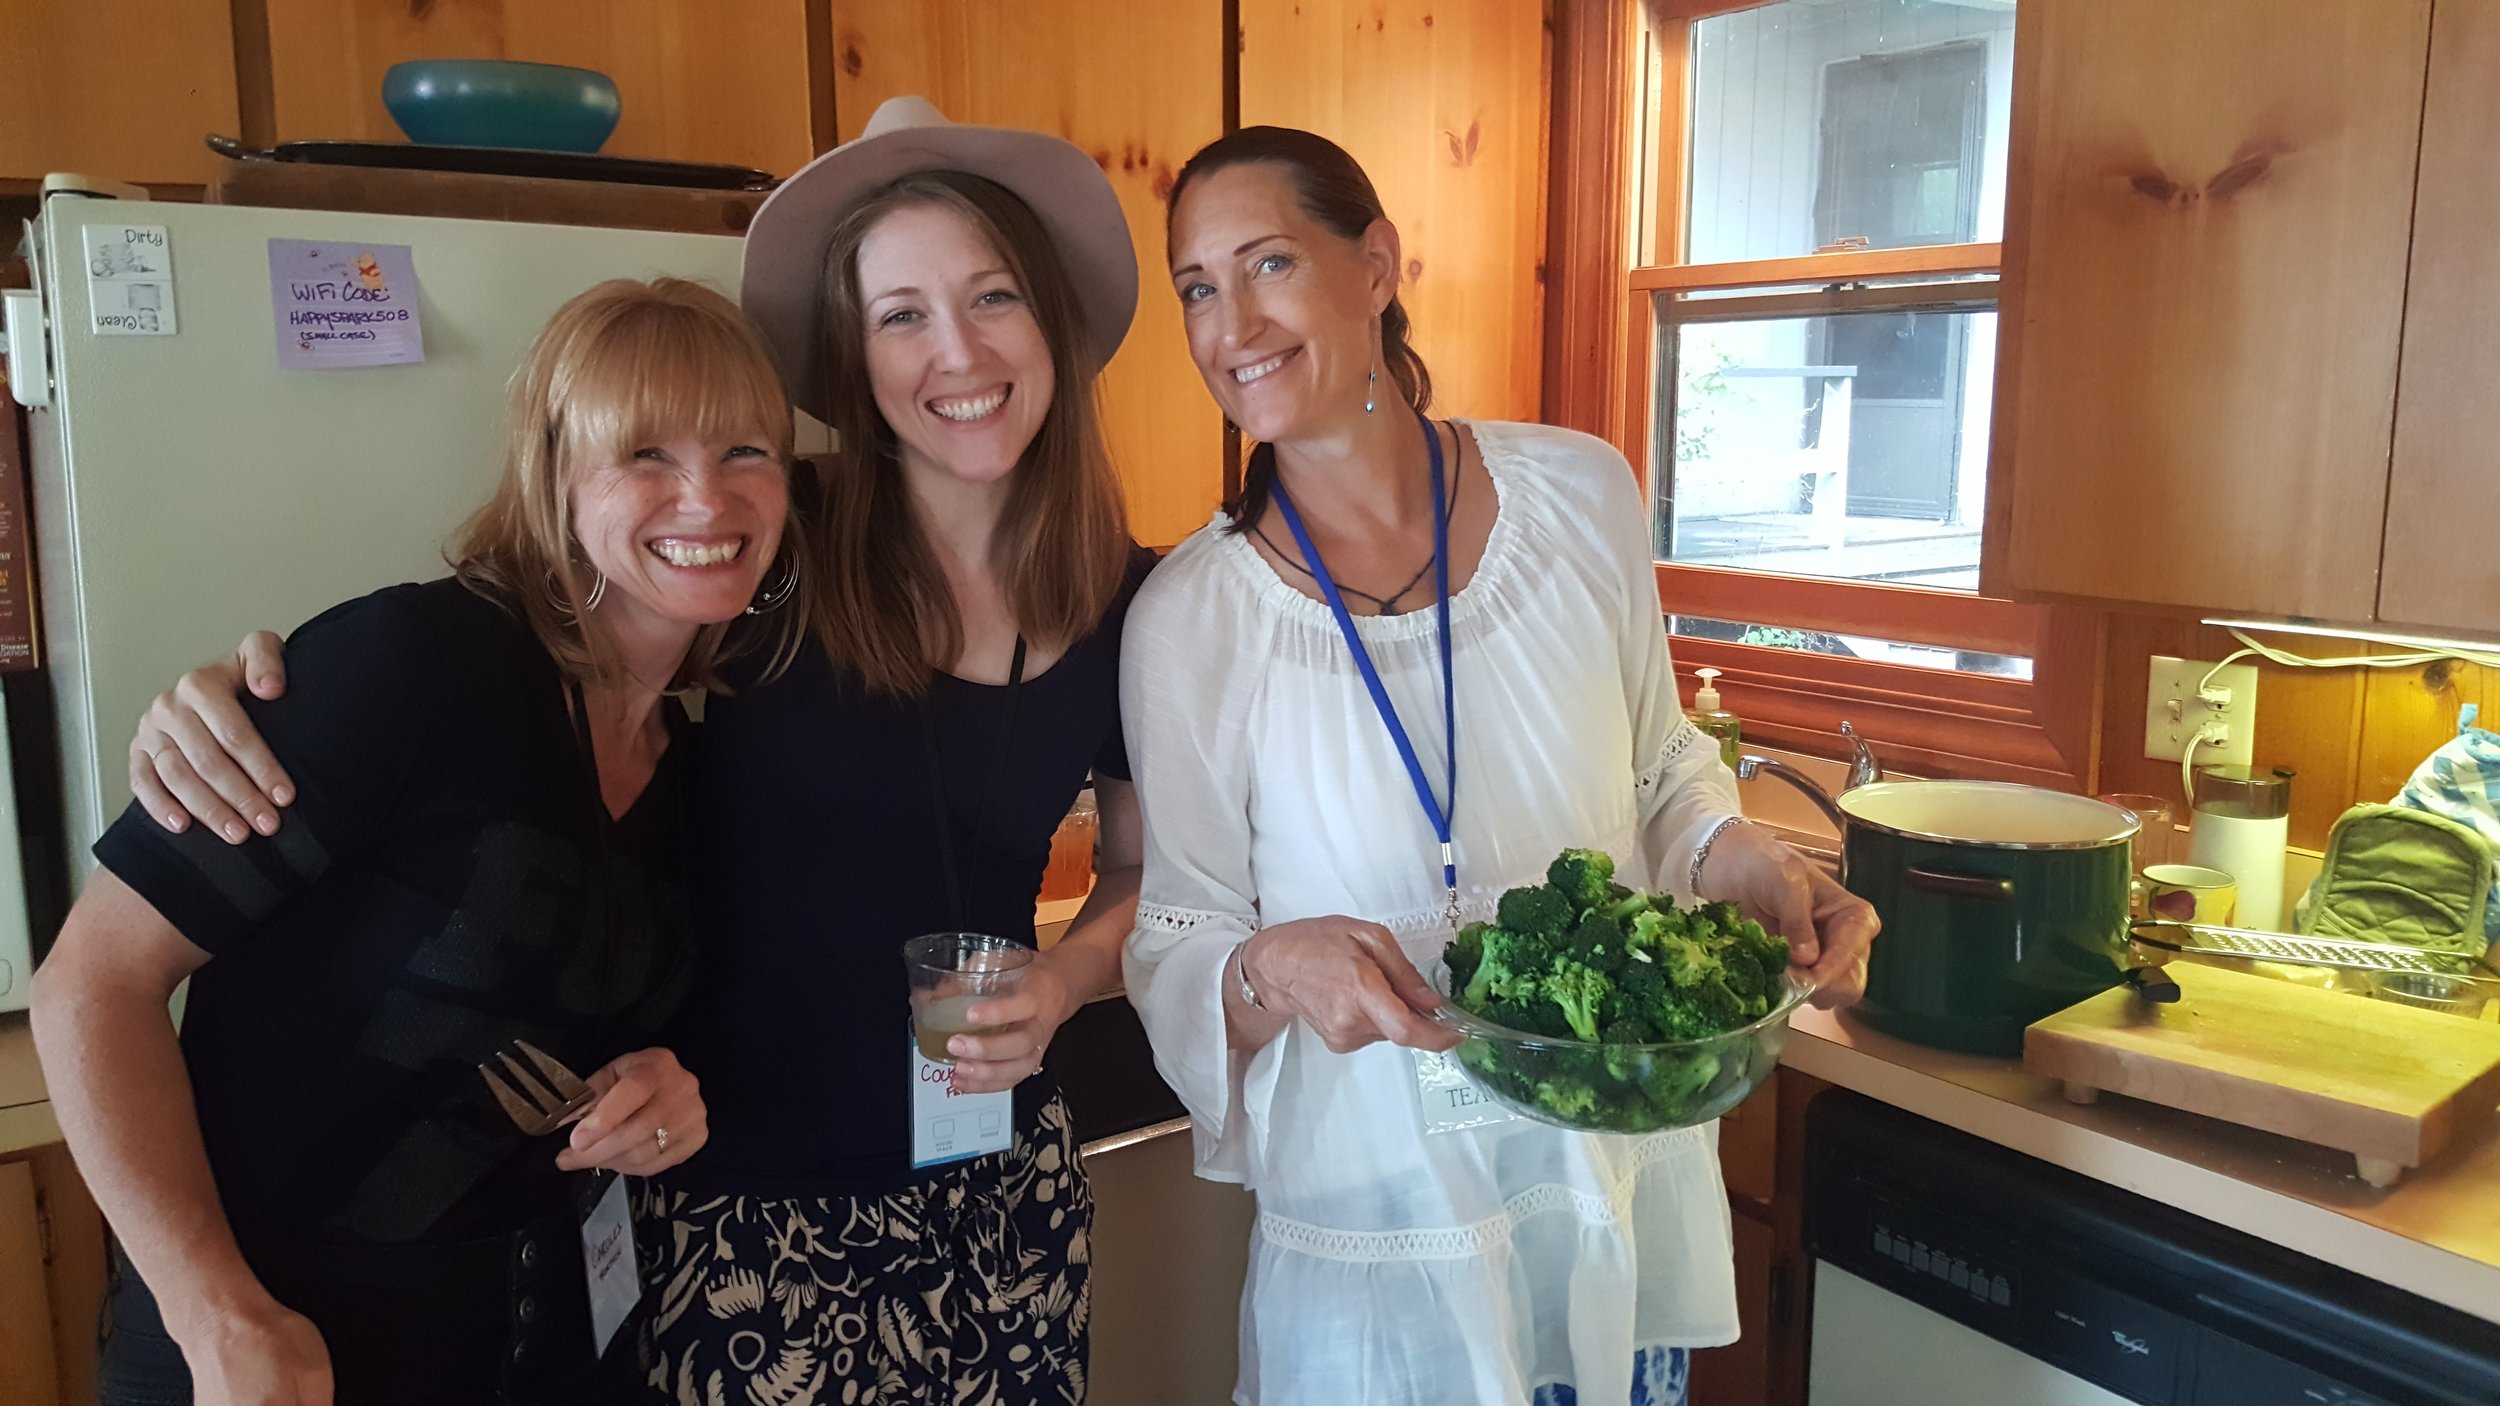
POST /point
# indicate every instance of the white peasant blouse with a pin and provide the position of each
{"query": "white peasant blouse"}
(1391, 1265)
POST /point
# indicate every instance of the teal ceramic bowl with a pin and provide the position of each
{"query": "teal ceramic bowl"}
(499, 103)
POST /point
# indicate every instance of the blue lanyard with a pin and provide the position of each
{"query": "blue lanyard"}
(1434, 810)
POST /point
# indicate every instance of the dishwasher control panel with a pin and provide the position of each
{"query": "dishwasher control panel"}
(2139, 1299)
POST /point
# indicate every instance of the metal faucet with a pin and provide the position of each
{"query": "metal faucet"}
(1863, 770)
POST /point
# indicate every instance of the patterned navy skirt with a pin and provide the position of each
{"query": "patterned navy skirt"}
(969, 1288)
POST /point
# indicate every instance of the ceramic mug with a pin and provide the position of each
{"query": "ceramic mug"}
(2190, 893)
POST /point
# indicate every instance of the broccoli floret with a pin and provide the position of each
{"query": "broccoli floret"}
(1630, 906)
(1537, 912)
(1706, 1009)
(1687, 960)
(1578, 989)
(1597, 942)
(1630, 1030)
(1644, 937)
(1510, 966)
(1532, 1016)
(1675, 1082)
(1464, 952)
(1749, 981)
(1585, 877)
(1566, 1098)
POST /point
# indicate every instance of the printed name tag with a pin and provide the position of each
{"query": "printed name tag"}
(608, 1260)
(1451, 1099)
(949, 1125)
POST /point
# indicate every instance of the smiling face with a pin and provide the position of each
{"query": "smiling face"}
(1280, 309)
(683, 529)
(958, 365)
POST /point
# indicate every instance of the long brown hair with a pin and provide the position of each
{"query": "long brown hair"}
(620, 366)
(1332, 189)
(883, 606)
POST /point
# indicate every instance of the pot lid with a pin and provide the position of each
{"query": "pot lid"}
(2000, 814)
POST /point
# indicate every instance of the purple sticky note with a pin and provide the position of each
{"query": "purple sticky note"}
(344, 304)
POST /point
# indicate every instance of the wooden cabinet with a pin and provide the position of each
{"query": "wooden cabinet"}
(1139, 86)
(1740, 1373)
(49, 1298)
(118, 89)
(1444, 104)
(1762, 1157)
(698, 82)
(2440, 568)
(2206, 256)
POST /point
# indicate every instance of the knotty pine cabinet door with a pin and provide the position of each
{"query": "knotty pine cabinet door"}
(2205, 293)
(2440, 566)
(121, 90)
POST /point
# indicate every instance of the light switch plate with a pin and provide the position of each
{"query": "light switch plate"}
(2174, 710)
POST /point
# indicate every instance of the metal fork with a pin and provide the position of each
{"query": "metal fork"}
(535, 1088)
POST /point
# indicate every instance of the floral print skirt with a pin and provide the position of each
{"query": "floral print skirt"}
(969, 1288)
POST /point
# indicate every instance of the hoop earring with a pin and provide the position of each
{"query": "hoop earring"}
(564, 607)
(776, 593)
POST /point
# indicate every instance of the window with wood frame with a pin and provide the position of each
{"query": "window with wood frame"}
(1814, 198)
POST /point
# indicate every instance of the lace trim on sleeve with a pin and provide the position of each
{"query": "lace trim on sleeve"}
(1683, 739)
(1163, 917)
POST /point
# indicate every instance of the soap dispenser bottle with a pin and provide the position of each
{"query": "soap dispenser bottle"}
(1715, 720)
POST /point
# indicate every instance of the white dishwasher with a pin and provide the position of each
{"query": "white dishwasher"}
(1951, 1272)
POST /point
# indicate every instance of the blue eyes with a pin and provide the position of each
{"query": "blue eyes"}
(1263, 264)
(993, 298)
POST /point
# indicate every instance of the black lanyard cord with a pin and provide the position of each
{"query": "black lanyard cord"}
(981, 805)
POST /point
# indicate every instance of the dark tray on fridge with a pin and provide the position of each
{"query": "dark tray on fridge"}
(499, 161)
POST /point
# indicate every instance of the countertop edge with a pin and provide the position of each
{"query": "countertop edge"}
(2442, 1276)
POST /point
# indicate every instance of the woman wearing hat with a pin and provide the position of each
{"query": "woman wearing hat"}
(942, 297)
(1412, 661)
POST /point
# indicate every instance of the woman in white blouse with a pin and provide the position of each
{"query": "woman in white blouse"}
(1301, 866)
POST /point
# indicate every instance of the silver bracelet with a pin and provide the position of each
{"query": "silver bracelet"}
(1701, 854)
(1241, 974)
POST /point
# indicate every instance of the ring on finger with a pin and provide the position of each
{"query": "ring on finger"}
(659, 1135)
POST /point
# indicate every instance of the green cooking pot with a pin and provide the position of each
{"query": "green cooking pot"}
(2001, 904)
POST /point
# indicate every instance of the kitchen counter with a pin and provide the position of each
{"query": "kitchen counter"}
(2436, 1233)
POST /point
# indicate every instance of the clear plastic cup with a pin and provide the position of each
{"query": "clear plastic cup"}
(951, 972)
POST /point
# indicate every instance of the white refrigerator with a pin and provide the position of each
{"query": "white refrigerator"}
(187, 487)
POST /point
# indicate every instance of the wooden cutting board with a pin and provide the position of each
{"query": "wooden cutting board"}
(2387, 1083)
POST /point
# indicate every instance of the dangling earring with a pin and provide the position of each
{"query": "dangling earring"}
(776, 592)
(564, 607)
(1368, 387)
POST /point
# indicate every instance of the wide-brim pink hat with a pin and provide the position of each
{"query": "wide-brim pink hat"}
(791, 236)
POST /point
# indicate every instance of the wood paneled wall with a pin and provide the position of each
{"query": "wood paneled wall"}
(118, 89)
(2353, 735)
(1444, 104)
(729, 81)
(1141, 87)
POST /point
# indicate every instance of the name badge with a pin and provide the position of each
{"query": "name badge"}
(608, 1260)
(1451, 1100)
(949, 1125)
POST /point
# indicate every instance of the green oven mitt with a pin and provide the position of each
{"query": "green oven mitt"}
(2397, 874)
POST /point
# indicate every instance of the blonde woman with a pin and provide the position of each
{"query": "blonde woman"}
(318, 1197)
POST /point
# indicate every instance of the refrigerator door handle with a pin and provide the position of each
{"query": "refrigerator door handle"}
(30, 353)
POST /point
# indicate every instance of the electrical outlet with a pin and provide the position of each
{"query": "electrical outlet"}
(2174, 710)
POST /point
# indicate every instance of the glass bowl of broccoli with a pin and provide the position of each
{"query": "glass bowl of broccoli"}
(1588, 1005)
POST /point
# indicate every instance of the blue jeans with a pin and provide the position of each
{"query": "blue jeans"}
(1660, 1377)
(140, 1365)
